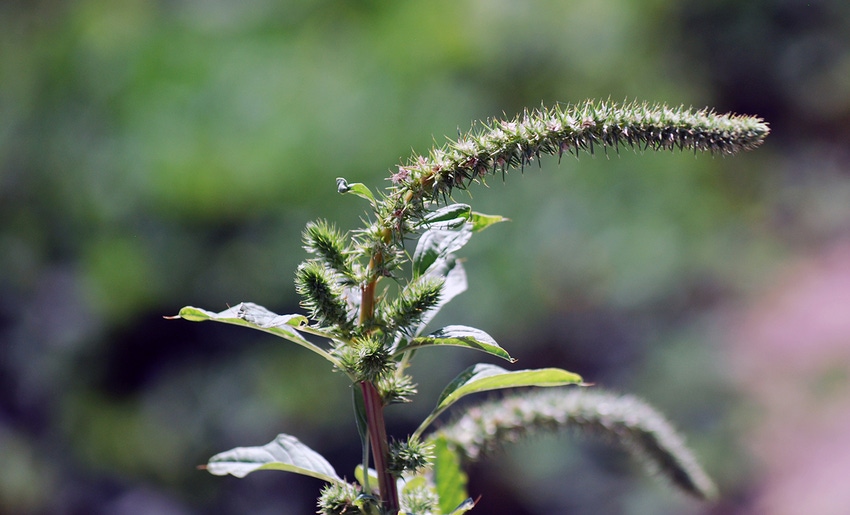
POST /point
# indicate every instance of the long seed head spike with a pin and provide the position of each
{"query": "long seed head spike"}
(626, 420)
(499, 144)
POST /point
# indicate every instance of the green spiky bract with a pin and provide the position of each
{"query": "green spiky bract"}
(321, 295)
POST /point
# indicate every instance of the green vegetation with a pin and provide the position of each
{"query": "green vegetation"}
(157, 154)
(371, 333)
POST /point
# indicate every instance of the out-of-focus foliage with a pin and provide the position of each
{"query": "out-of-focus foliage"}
(157, 154)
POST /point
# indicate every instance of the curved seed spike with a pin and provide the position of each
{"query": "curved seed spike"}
(626, 420)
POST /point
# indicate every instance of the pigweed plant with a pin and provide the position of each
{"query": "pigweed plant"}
(370, 294)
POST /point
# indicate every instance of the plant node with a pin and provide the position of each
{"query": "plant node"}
(369, 359)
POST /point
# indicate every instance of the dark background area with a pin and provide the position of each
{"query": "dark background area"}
(156, 154)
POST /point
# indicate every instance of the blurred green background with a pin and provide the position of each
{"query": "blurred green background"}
(155, 154)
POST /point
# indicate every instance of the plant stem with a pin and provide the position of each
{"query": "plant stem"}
(380, 448)
(374, 405)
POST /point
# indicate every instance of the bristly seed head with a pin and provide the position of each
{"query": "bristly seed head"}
(338, 499)
(496, 145)
(409, 456)
(372, 359)
(324, 240)
(321, 295)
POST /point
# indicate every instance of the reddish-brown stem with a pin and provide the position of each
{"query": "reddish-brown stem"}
(375, 407)
(380, 447)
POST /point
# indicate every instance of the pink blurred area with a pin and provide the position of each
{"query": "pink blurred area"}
(791, 356)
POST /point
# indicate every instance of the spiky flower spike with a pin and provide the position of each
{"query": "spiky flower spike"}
(321, 295)
(374, 333)
(641, 430)
(497, 145)
(324, 240)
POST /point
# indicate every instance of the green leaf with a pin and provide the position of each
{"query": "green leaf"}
(481, 221)
(439, 242)
(361, 478)
(356, 188)
(460, 336)
(450, 479)
(285, 453)
(454, 216)
(454, 283)
(248, 314)
(485, 377)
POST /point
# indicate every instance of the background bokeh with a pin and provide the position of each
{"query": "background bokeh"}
(155, 154)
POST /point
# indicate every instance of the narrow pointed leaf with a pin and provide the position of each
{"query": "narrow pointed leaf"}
(285, 453)
(248, 314)
(481, 221)
(460, 336)
(485, 377)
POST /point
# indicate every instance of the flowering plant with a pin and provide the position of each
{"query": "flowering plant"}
(372, 335)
